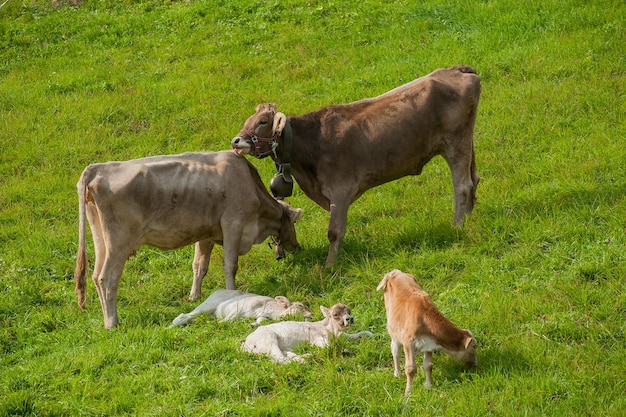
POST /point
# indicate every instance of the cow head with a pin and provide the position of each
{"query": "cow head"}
(286, 239)
(260, 133)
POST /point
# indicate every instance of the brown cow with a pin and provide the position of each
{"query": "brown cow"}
(170, 202)
(338, 152)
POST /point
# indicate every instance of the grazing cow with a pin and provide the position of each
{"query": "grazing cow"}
(277, 340)
(233, 304)
(415, 323)
(169, 202)
(338, 152)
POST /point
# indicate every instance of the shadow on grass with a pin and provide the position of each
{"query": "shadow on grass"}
(549, 201)
(415, 240)
(306, 269)
(491, 361)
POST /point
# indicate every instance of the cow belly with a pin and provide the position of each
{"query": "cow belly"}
(173, 237)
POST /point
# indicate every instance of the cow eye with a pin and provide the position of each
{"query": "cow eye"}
(262, 122)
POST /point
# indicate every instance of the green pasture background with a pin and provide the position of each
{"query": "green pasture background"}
(537, 273)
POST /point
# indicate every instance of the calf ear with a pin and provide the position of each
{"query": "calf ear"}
(383, 283)
(282, 301)
(279, 123)
(468, 340)
(295, 214)
(325, 311)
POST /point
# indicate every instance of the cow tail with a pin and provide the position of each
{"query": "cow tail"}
(81, 257)
(466, 69)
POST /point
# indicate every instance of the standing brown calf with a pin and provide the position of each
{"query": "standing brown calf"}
(415, 323)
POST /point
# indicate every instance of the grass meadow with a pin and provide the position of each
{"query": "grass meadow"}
(538, 273)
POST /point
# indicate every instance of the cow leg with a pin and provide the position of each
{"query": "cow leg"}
(336, 228)
(99, 245)
(410, 369)
(428, 369)
(464, 179)
(107, 284)
(201, 257)
(230, 263)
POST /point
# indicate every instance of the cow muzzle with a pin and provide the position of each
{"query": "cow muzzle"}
(262, 146)
(240, 146)
(280, 251)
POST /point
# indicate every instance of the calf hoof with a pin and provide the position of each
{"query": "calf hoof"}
(180, 320)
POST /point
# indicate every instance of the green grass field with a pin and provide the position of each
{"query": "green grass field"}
(538, 273)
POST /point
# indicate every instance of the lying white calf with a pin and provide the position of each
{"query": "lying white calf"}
(233, 304)
(415, 323)
(277, 340)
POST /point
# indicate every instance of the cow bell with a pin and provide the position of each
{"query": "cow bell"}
(280, 186)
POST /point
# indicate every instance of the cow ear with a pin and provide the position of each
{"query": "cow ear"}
(325, 311)
(295, 214)
(279, 123)
(383, 283)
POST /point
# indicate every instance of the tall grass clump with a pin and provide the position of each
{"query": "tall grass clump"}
(537, 272)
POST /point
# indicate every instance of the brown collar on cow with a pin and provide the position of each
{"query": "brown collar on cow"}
(283, 185)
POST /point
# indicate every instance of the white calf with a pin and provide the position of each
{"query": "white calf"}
(278, 340)
(233, 304)
(415, 323)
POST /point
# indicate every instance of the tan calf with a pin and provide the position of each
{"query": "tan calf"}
(415, 323)
(278, 340)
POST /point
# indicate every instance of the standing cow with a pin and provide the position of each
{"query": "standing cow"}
(170, 202)
(338, 152)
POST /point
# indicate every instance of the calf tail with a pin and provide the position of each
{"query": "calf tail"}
(81, 257)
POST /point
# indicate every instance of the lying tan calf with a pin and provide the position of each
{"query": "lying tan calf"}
(277, 340)
(415, 323)
(233, 304)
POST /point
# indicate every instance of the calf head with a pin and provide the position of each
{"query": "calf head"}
(292, 308)
(260, 133)
(298, 308)
(338, 317)
(467, 356)
(286, 239)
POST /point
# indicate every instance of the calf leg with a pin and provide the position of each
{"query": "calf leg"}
(395, 352)
(201, 257)
(428, 369)
(290, 356)
(410, 369)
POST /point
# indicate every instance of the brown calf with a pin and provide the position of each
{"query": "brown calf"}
(415, 323)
